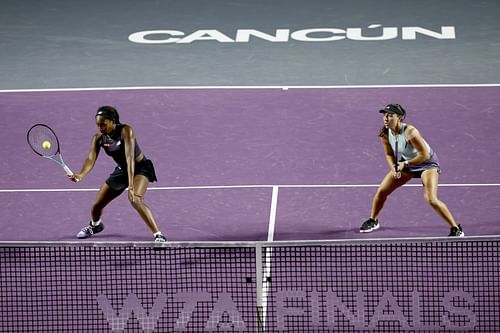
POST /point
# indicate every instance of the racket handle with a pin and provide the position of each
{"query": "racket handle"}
(67, 170)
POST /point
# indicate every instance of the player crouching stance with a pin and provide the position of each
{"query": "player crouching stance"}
(409, 156)
(133, 171)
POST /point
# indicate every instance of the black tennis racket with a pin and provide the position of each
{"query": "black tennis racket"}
(44, 142)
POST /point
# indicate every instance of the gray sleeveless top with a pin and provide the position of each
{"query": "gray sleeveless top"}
(406, 151)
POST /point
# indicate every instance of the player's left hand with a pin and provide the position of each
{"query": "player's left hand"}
(401, 166)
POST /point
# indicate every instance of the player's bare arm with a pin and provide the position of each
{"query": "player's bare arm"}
(89, 162)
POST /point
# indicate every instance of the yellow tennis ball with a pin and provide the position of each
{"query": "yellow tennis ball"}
(46, 145)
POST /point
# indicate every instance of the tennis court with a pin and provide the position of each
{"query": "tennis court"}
(220, 154)
(267, 159)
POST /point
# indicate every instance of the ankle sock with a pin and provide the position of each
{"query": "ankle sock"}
(94, 224)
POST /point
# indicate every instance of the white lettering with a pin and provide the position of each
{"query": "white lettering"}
(226, 305)
(374, 32)
(417, 313)
(388, 310)
(190, 300)
(330, 35)
(410, 33)
(387, 33)
(315, 308)
(206, 35)
(132, 305)
(318, 308)
(283, 310)
(468, 319)
(333, 302)
(281, 35)
(140, 37)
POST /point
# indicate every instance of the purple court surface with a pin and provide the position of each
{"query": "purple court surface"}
(261, 118)
(243, 164)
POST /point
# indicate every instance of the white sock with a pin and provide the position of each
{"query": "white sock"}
(157, 233)
(95, 223)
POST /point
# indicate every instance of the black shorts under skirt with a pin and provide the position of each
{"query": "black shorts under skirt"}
(118, 180)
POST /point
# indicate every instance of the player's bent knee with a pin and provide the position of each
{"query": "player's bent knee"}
(382, 194)
(136, 202)
(432, 200)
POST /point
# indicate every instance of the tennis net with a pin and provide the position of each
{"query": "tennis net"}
(398, 285)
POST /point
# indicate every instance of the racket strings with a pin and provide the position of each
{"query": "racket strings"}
(43, 141)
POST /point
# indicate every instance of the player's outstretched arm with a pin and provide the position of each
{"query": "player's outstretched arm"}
(89, 162)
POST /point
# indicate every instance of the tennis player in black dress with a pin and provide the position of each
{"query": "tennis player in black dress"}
(133, 172)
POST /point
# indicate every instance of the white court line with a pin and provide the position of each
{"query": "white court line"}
(451, 85)
(215, 187)
(272, 214)
(269, 252)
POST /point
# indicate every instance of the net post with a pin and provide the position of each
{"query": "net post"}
(259, 288)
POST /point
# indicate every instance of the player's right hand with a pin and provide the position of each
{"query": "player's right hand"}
(75, 177)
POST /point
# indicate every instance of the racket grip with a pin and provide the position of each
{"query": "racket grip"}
(67, 170)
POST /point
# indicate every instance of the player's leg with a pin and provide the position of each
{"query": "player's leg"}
(430, 180)
(104, 196)
(140, 187)
(386, 187)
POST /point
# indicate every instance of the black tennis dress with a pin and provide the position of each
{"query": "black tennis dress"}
(114, 146)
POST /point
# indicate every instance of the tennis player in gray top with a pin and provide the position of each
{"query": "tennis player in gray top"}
(409, 156)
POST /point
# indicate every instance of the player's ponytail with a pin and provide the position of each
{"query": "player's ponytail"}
(383, 132)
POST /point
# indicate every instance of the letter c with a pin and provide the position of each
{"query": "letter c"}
(140, 37)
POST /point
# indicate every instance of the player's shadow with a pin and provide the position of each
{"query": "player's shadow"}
(332, 234)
